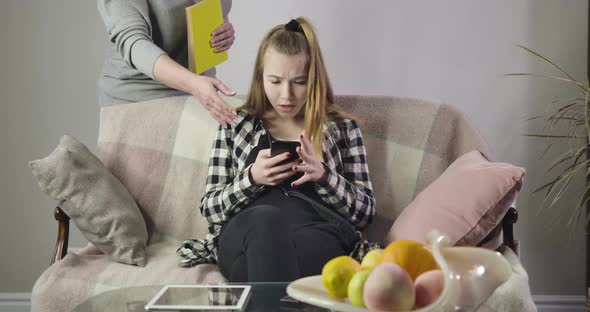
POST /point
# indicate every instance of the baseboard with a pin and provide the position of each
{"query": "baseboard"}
(21, 302)
(556, 303)
(15, 302)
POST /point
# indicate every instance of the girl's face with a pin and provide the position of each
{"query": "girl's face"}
(285, 82)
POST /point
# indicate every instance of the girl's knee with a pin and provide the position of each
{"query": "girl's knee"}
(267, 215)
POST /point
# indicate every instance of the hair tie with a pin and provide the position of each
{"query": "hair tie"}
(294, 25)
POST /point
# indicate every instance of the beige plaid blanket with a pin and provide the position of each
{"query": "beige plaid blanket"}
(160, 151)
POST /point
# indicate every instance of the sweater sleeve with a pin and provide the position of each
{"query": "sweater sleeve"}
(130, 30)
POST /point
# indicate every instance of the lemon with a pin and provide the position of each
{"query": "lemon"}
(411, 255)
(372, 258)
(337, 273)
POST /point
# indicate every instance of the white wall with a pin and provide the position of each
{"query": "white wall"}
(456, 51)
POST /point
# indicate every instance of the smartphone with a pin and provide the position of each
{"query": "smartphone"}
(279, 147)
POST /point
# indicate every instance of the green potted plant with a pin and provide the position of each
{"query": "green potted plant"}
(567, 120)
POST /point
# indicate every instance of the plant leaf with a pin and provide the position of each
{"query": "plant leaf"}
(550, 77)
(554, 65)
(547, 136)
(575, 115)
(581, 204)
(560, 161)
(571, 174)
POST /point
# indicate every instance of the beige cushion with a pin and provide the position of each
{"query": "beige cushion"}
(94, 199)
(466, 202)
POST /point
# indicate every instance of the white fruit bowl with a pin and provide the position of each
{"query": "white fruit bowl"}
(471, 276)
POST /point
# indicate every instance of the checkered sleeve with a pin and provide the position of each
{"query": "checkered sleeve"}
(227, 189)
(350, 191)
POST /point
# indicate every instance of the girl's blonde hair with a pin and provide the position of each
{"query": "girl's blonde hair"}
(319, 107)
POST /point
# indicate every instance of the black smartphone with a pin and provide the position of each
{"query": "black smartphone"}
(279, 147)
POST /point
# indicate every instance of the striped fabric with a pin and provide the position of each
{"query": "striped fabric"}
(160, 150)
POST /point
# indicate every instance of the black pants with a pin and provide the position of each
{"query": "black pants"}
(278, 239)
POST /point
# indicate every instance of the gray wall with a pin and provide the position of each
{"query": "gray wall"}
(50, 61)
(456, 51)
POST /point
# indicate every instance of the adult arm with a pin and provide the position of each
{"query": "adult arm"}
(130, 30)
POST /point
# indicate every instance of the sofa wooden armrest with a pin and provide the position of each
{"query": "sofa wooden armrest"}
(508, 222)
(507, 229)
(63, 233)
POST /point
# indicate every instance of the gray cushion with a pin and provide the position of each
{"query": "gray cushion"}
(96, 201)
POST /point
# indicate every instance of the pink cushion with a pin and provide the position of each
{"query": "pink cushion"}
(466, 202)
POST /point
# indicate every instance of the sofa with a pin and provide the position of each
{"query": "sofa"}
(159, 150)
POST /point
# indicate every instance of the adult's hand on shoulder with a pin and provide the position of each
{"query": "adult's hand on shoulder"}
(206, 89)
(223, 36)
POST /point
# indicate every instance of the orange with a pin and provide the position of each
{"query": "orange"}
(411, 255)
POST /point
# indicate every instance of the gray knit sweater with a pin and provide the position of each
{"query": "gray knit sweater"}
(140, 31)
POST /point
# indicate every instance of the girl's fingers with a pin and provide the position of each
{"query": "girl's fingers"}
(280, 177)
(305, 141)
(264, 154)
(301, 180)
(278, 158)
(303, 154)
(282, 168)
(306, 145)
(303, 168)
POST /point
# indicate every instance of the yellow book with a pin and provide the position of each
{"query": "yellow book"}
(201, 19)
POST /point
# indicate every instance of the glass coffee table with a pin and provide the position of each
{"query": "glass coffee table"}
(263, 297)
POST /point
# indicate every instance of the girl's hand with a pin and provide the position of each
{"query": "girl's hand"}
(265, 171)
(223, 36)
(312, 166)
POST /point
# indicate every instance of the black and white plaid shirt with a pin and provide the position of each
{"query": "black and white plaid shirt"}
(347, 190)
